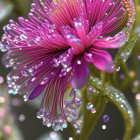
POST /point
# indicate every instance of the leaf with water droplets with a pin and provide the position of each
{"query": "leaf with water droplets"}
(97, 104)
(117, 98)
(124, 52)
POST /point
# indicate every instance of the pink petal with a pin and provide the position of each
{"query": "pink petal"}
(114, 18)
(87, 38)
(81, 72)
(101, 59)
(36, 92)
(75, 43)
(111, 42)
(93, 34)
(81, 31)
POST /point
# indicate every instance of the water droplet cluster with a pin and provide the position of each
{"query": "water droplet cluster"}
(116, 96)
(65, 61)
(31, 71)
(70, 110)
(91, 107)
(60, 122)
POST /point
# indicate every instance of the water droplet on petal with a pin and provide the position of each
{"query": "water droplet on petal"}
(56, 125)
(69, 119)
(64, 125)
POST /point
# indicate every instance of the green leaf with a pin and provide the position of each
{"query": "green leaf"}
(116, 97)
(72, 131)
(124, 52)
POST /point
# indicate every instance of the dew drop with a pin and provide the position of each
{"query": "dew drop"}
(93, 110)
(105, 118)
(104, 127)
(122, 55)
(89, 106)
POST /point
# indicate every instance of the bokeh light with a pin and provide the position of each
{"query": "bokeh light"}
(104, 127)
(21, 117)
(2, 99)
(7, 129)
(53, 135)
(78, 131)
(122, 76)
(16, 102)
(136, 83)
(138, 96)
(2, 111)
(70, 138)
(1, 79)
(132, 74)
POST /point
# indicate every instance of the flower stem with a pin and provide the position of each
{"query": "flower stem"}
(125, 69)
(114, 75)
(88, 124)
(128, 78)
(137, 118)
(110, 93)
(103, 78)
(73, 131)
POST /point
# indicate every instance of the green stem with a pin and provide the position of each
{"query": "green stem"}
(128, 79)
(128, 126)
(125, 69)
(110, 92)
(126, 82)
(73, 131)
(103, 78)
(137, 4)
(137, 118)
(114, 81)
(3, 136)
(88, 123)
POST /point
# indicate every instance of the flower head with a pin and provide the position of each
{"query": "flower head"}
(55, 46)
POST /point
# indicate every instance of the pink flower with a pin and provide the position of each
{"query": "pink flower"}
(60, 38)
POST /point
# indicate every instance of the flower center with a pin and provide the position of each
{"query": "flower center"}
(82, 37)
